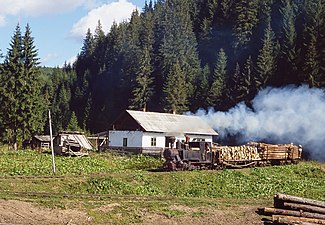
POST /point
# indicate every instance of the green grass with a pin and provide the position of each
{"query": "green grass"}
(154, 192)
(305, 179)
(128, 175)
(32, 163)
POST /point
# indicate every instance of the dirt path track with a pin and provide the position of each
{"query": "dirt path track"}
(18, 212)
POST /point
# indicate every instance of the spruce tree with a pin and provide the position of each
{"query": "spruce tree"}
(21, 102)
(73, 123)
(235, 91)
(131, 53)
(266, 60)
(225, 7)
(247, 87)
(311, 64)
(246, 19)
(175, 93)
(98, 63)
(179, 44)
(287, 72)
(143, 91)
(201, 89)
(34, 112)
(11, 87)
(218, 81)
(314, 37)
(88, 43)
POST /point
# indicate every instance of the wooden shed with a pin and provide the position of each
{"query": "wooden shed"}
(71, 143)
(40, 142)
(149, 132)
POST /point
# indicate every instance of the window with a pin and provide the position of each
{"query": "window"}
(153, 141)
(125, 142)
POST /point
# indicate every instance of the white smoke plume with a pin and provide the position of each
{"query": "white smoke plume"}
(278, 115)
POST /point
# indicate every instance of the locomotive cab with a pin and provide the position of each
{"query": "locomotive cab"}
(195, 154)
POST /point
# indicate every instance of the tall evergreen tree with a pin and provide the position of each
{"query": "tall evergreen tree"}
(73, 123)
(247, 87)
(131, 52)
(35, 108)
(22, 105)
(314, 42)
(88, 43)
(266, 60)
(175, 93)
(98, 62)
(201, 89)
(11, 85)
(311, 64)
(265, 8)
(179, 44)
(144, 90)
(287, 72)
(235, 92)
(246, 19)
(218, 81)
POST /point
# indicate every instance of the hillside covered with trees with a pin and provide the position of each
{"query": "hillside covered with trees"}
(173, 56)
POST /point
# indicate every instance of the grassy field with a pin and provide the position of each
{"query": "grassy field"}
(127, 181)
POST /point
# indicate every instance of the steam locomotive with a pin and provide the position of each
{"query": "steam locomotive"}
(205, 155)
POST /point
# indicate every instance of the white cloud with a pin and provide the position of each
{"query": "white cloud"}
(107, 14)
(40, 7)
(49, 57)
(2, 21)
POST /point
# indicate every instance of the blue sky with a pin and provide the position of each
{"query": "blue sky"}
(59, 26)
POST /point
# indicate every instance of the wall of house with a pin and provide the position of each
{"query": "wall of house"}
(160, 140)
(134, 138)
(138, 139)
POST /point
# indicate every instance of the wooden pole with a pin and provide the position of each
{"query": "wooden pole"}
(307, 201)
(296, 220)
(308, 208)
(53, 162)
(294, 213)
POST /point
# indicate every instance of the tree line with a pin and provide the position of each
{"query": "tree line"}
(176, 56)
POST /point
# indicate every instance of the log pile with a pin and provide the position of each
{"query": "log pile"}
(292, 210)
(255, 151)
(277, 151)
(239, 153)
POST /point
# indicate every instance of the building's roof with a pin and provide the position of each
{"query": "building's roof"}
(43, 138)
(171, 123)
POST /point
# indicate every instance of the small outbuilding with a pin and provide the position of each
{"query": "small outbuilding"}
(40, 142)
(71, 143)
(150, 132)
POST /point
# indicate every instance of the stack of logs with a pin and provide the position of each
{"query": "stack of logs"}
(242, 152)
(292, 210)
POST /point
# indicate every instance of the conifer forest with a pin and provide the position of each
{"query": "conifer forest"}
(172, 56)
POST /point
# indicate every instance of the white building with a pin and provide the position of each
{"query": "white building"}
(148, 132)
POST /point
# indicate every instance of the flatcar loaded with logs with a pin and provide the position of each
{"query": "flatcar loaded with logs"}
(204, 155)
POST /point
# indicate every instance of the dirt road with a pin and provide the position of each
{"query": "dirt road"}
(19, 212)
